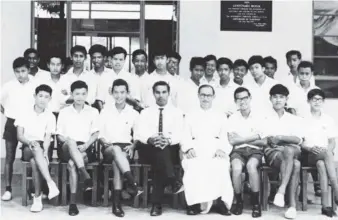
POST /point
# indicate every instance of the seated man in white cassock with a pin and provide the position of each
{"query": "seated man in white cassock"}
(206, 157)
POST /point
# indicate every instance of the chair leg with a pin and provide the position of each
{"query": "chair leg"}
(64, 184)
(105, 186)
(145, 187)
(304, 180)
(24, 184)
(265, 188)
(95, 186)
(55, 176)
(136, 174)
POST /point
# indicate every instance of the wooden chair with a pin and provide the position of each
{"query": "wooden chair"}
(93, 167)
(178, 199)
(26, 178)
(304, 181)
(265, 170)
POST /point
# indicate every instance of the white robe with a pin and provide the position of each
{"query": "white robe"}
(206, 178)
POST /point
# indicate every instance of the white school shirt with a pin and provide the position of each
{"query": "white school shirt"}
(224, 100)
(246, 127)
(88, 77)
(261, 94)
(148, 123)
(318, 131)
(106, 82)
(289, 80)
(42, 74)
(214, 82)
(187, 98)
(78, 126)
(36, 125)
(298, 98)
(15, 96)
(115, 126)
(58, 100)
(147, 96)
(287, 125)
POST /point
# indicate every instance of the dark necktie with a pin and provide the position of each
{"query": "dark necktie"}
(160, 123)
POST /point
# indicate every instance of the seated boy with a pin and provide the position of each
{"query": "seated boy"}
(35, 126)
(116, 126)
(77, 129)
(284, 136)
(320, 142)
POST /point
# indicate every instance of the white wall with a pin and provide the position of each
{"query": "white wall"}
(291, 29)
(15, 38)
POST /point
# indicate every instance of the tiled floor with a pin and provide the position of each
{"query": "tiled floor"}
(14, 210)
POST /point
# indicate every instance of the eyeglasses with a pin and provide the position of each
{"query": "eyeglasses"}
(317, 99)
(245, 98)
(205, 96)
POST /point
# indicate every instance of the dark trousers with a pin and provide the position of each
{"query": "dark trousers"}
(162, 163)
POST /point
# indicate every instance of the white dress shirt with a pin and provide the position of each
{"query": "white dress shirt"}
(246, 127)
(36, 125)
(289, 79)
(187, 98)
(16, 96)
(42, 74)
(58, 100)
(78, 126)
(298, 98)
(88, 77)
(147, 96)
(106, 82)
(261, 94)
(148, 123)
(319, 130)
(214, 82)
(224, 100)
(115, 126)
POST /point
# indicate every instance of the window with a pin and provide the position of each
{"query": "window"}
(325, 48)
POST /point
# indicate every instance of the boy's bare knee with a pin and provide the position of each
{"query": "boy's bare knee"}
(288, 152)
(296, 165)
(71, 165)
(251, 166)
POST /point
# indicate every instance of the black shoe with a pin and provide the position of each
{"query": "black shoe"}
(177, 187)
(117, 210)
(256, 211)
(134, 190)
(73, 210)
(238, 208)
(156, 210)
(193, 210)
(328, 211)
(223, 210)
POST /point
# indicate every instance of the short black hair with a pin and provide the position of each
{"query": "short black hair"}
(196, 61)
(270, 59)
(139, 52)
(45, 88)
(56, 55)
(241, 89)
(241, 62)
(290, 53)
(256, 59)
(78, 48)
(305, 64)
(279, 89)
(224, 60)
(29, 51)
(161, 83)
(20, 62)
(210, 57)
(98, 48)
(175, 55)
(120, 82)
(159, 52)
(206, 86)
(78, 85)
(314, 92)
(117, 50)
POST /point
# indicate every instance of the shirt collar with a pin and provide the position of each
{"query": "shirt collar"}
(70, 71)
(85, 108)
